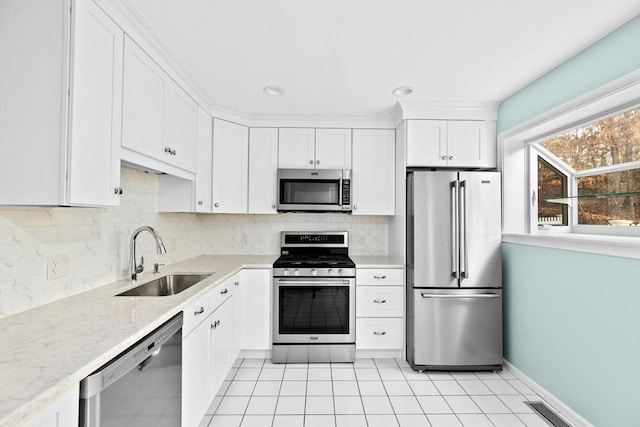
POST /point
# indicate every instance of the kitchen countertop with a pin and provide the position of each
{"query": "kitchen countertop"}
(367, 261)
(46, 351)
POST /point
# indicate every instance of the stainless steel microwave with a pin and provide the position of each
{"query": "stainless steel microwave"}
(320, 190)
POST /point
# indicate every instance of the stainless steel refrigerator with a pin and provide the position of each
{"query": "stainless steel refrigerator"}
(454, 273)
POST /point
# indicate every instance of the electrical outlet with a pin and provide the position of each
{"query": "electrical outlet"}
(57, 267)
(244, 240)
(362, 241)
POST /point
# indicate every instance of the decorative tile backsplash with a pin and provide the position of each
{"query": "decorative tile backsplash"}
(96, 240)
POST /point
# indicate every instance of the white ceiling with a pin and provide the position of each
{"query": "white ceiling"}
(343, 57)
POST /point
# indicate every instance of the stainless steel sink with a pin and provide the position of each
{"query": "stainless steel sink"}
(170, 284)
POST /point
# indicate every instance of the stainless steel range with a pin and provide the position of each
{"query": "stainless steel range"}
(314, 299)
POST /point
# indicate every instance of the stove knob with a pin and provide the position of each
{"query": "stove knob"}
(330, 271)
(340, 272)
(296, 272)
(286, 272)
(314, 272)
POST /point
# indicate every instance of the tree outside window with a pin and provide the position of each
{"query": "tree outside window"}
(604, 158)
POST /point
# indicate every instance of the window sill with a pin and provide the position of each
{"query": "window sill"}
(620, 246)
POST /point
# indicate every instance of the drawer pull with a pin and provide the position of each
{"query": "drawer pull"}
(379, 333)
(380, 301)
(224, 291)
(236, 283)
(195, 313)
(379, 277)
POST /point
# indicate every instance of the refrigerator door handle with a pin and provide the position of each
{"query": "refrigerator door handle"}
(464, 274)
(454, 186)
(428, 295)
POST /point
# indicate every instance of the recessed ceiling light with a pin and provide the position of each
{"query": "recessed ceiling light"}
(402, 91)
(273, 91)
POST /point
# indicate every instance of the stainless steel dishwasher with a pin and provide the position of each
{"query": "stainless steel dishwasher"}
(141, 387)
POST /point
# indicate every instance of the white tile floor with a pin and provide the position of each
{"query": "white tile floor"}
(368, 393)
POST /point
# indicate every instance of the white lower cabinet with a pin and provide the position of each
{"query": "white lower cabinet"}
(381, 333)
(233, 316)
(195, 360)
(61, 413)
(220, 346)
(379, 309)
(256, 309)
(195, 374)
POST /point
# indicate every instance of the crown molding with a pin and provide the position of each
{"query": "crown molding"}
(441, 110)
(322, 121)
(136, 27)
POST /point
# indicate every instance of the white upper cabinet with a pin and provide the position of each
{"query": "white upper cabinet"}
(143, 102)
(373, 177)
(468, 144)
(204, 159)
(263, 170)
(60, 107)
(301, 148)
(230, 164)
(181, 124)
(333, 149)
(159, 118)
(427, 143)
(450, 143)
(296, 148)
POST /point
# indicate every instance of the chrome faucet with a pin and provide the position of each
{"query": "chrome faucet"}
(134, 268)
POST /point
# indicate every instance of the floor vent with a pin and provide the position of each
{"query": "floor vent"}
(547, 414)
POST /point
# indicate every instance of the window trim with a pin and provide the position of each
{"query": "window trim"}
(515, 161)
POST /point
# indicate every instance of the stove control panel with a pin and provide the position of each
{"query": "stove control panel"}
(314, 272)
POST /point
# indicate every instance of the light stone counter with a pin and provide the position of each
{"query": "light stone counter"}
(363, 261)
(46, 351)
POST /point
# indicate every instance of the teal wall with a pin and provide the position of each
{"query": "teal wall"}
(613, 56)
(572, 319)
(572, 324)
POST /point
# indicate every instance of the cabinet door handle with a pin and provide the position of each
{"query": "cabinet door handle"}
(217, 205)
(444, 157)
(224, 291)
(380, 301)
(273, 206)
(317, 162)
(213, 325)
(167, 150)
(117, 190)
(379, 277)
(195, 313)
(450, 157)
(379, 333)
(236, 283)
(355, 207)
(200, 202)
(310, 162)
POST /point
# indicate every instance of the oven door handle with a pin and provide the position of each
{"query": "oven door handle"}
(313, 282)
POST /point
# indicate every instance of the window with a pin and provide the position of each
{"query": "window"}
(589, 175)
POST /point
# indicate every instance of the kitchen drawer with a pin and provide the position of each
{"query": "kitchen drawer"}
(220, 293)
(379, 301)
(195, 313)
(379, 276)
(385, 333)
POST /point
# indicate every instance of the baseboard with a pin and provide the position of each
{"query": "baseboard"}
(381, 354)
(255, 354)
(360, 354)
(558, 405)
